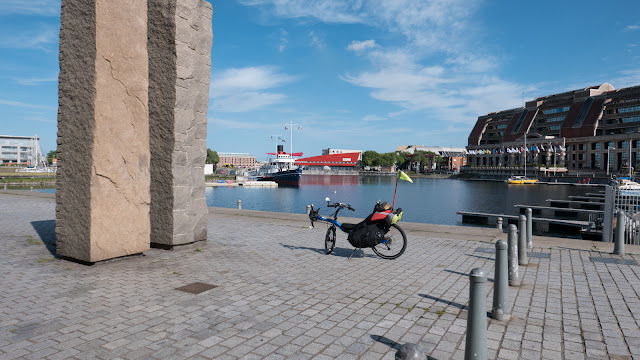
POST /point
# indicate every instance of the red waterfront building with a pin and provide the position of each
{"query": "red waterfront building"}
(342, 161)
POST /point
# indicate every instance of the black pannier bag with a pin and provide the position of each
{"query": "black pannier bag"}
(367, 235)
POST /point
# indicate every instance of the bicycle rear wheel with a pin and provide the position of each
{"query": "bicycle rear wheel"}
(330, 240)
(393, 245)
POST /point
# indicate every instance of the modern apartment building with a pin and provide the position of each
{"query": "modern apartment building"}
(20, 150)
(595, 129)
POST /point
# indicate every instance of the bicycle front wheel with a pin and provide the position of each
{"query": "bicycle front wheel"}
(393, 245)
(330, 240)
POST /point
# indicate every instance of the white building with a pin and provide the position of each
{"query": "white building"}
(20, 150)
(330, 151)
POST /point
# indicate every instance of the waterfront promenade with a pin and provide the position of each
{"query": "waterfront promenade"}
(277, 295)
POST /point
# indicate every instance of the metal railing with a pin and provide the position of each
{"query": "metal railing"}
(627, 201)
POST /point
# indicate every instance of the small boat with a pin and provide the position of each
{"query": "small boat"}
(520, 180)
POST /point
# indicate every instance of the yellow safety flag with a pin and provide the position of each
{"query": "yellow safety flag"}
(403, 176)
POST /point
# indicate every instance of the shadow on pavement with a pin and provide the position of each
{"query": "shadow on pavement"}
(342, 252)
(46, 230)
(480, 257)
(459, 306)
(463, 274)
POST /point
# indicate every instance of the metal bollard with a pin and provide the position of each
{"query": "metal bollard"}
(529, 214)
(499, 224)
(514, 278)
(239, 204)
(31, 188)
(308, 209)
(618, 246)
(410, 351)
(522, 241)
(476, 344)
(501, 283)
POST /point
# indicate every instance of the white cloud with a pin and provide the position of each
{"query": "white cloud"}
(316, 40)
(284, 41)
(369, 118)
(361, 45)
(331, 11)
(30, 7)
(44, 39)
(246, 102)
(245, 89)
(627, 78)
(25, 105)
(35, 81)
(239, 124)
(632, 27)
(429, 24)
(442, 93)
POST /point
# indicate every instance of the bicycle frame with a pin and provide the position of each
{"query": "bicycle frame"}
(333, 221)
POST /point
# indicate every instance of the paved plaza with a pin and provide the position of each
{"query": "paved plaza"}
(278, 296)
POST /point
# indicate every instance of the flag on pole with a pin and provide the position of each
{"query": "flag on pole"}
(403, 176)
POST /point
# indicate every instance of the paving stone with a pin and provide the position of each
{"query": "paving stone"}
(129, 308)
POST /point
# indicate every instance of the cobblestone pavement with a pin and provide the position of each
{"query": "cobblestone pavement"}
(280, 297)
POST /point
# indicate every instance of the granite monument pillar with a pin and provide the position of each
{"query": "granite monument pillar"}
(103, 200)
(180, 39)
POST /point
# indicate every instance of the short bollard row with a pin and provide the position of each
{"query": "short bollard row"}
(239, 204)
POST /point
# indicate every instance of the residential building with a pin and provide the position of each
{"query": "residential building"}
(591, 129)
(453, 159)
(20, 150)
(238, 160)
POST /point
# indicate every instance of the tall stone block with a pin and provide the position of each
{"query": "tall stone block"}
(103, 198)
(180, 39)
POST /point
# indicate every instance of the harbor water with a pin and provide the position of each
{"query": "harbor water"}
(427, 200)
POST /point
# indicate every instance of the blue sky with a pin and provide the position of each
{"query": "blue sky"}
(354, 74)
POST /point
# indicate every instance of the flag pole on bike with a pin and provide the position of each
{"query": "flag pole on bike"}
(400, 176)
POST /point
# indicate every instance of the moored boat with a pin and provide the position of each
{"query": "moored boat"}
(281, 169)
(520, 180)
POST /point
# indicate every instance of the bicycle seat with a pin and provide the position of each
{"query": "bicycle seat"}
(349, 227)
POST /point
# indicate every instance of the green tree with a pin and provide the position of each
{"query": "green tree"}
(370, 158)
(387, 159)
(212, 157)
(53, 154)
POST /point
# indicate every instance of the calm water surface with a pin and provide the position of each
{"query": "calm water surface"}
(433, 201)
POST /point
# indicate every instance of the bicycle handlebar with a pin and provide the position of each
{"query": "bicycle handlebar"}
(341, 205)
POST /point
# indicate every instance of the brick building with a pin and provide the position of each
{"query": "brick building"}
(594, 129)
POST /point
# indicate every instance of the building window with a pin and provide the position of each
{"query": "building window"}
(595, 146)
(556, 110)
(623, 144)
(503, 126)
(555, 119)
(554, 127)
(629, 109)
(630, 119)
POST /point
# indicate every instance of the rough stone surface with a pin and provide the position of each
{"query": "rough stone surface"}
(103, 201)
(180, 39)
